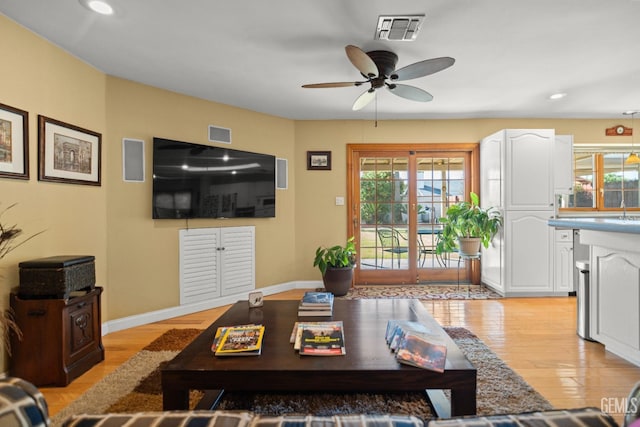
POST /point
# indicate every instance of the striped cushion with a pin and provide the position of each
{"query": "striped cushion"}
(21, 404)
(338, 421)
(237, 419)
(586, 417)
(163, 419)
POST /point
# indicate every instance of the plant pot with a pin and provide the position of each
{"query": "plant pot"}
(469, 246)
(338, 280)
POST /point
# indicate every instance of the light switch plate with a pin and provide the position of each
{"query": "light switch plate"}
(256, 299)
(339, 201)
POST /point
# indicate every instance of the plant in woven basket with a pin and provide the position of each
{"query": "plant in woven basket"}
(9, 241)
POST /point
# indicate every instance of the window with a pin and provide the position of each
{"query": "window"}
(603, 182)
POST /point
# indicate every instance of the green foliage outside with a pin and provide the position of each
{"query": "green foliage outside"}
(380, 196)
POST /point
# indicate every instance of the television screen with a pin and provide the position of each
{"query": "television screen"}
(201, 181)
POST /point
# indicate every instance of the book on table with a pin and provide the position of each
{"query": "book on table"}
(316, 304)
(323, 312)
(242, 340)
(414, 344)
(322, 339)
(317, 299)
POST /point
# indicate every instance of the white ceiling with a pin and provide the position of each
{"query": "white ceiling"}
(255, 54)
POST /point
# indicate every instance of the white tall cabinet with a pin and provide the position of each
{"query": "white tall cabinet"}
(517, 170)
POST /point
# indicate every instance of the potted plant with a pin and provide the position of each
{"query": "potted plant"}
(336, 265)
(467, 226)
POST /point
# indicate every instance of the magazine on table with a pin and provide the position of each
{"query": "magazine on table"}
(322, 339)
(416, 344)
(244, 340)
(397, 328)
(423, 351)
(296, 333)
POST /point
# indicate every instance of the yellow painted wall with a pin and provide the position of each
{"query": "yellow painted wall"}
(143, 253)
(136, 257)
(42, 79)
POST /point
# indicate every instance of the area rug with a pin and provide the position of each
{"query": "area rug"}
(135, 386)
(423, 292)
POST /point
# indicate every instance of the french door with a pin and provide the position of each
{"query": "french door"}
(397, 193)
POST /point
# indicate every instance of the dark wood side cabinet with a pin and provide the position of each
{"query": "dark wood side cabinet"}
(61, 338)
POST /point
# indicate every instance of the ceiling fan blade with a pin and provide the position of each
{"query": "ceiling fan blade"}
(364, 99)
(410, 92)
(422, 68)
(362, 61)
(336, 84)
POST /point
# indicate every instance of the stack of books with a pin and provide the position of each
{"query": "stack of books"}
(316, 304)
(239, 340)
(414, 344)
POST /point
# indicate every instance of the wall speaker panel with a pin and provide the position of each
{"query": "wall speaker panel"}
(132, 160)
(218, 134)
(282, 174)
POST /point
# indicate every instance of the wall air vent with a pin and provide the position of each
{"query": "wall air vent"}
(398, 27)
(218, 134)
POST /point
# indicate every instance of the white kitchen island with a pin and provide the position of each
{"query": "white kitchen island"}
(614, 289)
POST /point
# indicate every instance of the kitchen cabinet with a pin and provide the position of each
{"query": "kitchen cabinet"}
(517, 175)
(528, 254)
(563, 164)
(563, 264)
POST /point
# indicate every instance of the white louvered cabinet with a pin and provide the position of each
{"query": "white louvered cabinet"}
(216, 262)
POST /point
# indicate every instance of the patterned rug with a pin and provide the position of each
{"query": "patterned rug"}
(135, 386)
(423, 292)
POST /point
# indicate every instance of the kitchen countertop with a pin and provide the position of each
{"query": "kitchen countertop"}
(616, 225)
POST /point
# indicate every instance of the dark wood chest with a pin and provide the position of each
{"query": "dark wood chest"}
(61, 338)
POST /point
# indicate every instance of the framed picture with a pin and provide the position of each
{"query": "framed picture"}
(14, 143)
(68, 153)
(319, 160)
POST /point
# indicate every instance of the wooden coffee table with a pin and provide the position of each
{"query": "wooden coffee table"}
(368, 366)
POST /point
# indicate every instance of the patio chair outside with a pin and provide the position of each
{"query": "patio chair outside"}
(390, 242)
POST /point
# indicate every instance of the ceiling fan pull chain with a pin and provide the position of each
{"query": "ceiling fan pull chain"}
(376, 123)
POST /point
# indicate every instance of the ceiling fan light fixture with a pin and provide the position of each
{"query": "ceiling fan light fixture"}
(398, 27)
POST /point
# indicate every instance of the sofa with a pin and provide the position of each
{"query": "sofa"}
(22, 405)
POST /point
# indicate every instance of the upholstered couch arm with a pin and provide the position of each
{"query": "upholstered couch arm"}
(239, 419)
(584, 417)
(22, 404)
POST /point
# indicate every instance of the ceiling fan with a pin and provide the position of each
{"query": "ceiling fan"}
(378, 67)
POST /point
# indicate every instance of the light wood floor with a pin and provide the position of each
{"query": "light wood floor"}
(534, 336)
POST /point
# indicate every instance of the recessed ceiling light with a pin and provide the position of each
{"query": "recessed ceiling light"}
(558, 95)
(98, 6)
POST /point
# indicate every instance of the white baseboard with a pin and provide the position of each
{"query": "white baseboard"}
(181, 310)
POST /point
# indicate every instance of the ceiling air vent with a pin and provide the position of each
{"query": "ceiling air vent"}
(399, 27)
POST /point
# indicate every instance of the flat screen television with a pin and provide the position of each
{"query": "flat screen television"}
(202, 181)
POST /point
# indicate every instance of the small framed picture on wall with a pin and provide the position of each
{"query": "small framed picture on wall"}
(68, 153)
(319, 160)
(14, 143)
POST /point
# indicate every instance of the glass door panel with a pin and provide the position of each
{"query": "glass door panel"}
(440, 181)
(383, 212)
